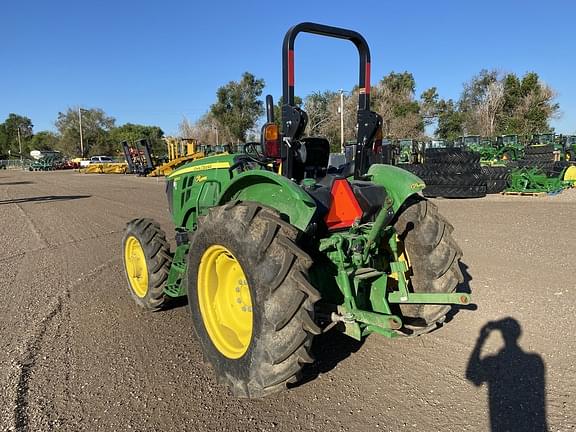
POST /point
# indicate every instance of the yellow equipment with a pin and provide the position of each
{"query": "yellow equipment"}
(106, 168)
(180, 150)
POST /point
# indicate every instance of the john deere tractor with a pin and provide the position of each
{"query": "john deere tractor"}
(271, 250)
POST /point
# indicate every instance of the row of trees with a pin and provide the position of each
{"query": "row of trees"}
(494, 104)
(99, 131)
(490, 104)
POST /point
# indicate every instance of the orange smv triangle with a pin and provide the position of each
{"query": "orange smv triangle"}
(344, 209)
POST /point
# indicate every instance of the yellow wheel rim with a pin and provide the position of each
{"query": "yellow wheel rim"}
(225, 301)
(136, 268)
(570, 173)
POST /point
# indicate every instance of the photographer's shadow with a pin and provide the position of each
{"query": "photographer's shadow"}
(515, 379)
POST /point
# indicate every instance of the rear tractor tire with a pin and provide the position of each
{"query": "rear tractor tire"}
(146, 262)
(433, 260)
(251, 302)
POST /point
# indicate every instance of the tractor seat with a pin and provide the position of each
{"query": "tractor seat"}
(314, 153)
(345, 170)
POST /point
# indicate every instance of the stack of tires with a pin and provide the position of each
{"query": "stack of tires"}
(451, 173)
(497, 178)
(557, 168)
(542, 157)
(538, 156)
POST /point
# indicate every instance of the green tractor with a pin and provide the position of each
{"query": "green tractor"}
(509, 147)
(475, 143)
(438, 144)
(568, 143)
(410, 151)
(271, 250)
(469, 141)
(544, 139)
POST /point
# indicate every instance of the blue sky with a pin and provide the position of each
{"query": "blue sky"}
(153, 62)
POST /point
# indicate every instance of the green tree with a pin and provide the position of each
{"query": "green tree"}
(9, 134)
(394, 99)
(237, 107)
(95, 130)
(44, 140)
(3, 142)
(450, 120)
(132, 132)
(429, 105)
(491, 104)
(508, 123)
(529, 105)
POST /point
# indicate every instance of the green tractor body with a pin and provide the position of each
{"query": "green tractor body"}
(469, 141)
(410, 151)
(544, 139)
(272, 249)
(506, 148)
(568, 144)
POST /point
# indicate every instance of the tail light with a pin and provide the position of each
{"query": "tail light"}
(271, 140)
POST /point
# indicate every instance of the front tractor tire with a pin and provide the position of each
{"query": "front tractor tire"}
(251, 302)
(433, 263)
(146, 262)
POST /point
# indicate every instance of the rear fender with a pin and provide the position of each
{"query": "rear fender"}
(399, 184)
(274, 191)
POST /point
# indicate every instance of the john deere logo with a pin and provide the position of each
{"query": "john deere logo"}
(200, 178)
(417, 186)
(203, 167)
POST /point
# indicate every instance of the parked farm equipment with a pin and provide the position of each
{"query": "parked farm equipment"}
(271, 250)
(410, 151)
(44, 164)
(568, 143)
(533, 180)
(504, 149)
(180, 151)
(138, 157)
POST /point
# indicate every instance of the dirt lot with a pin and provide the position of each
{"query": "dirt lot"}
(77, 354)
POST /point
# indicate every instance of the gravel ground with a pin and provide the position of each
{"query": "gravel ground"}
(77, 354)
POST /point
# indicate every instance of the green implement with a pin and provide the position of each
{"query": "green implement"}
(534, 180)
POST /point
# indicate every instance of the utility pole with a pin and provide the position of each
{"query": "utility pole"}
(81, 137)
(20, 143)
(342, 121)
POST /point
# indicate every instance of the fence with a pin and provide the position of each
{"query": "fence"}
(15, 164)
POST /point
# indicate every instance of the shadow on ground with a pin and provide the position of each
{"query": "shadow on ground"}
(43, 199)
(14, 183)
(515, 380)
(463, 287)
(329, 349)
(175, 303)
